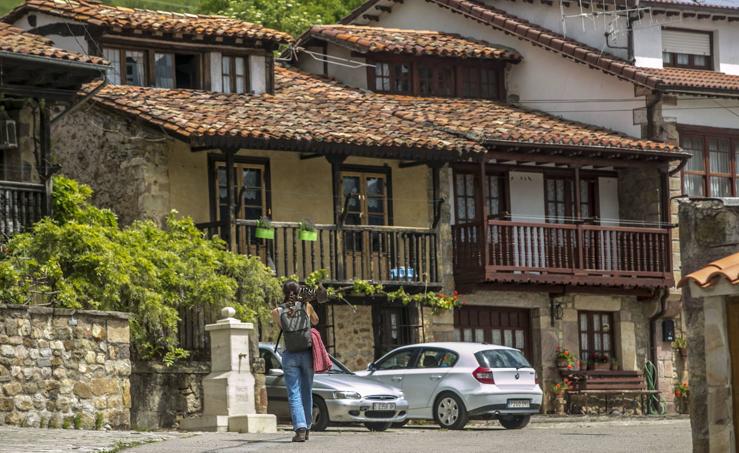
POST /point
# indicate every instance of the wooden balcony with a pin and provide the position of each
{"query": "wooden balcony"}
(562, 254)
(21, 205)
(393, 256)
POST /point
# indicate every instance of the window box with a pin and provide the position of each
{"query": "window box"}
(305, 235)
(264, 233)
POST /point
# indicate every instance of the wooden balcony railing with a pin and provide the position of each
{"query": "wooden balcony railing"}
(385, 254)
(562, 254)
(21, 205)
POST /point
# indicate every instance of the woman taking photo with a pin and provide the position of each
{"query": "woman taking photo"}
(296, 318)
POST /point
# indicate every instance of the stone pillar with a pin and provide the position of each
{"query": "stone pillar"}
(228, 391)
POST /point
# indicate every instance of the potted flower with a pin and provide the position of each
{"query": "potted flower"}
(565, 360)
(307, 231)
(558, 392)
(681, 397)
(600, 362)
(264, 229)
(681, 344)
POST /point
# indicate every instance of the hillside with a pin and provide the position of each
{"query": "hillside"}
(167, 5)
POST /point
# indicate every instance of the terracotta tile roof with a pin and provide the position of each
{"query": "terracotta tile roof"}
(411, 42)
(121, 19)
(719, 4)
(668, 79)
(726, 268)
(496, 123)
(313, 114)
(16, 41)
(687, 79)
(310, 111)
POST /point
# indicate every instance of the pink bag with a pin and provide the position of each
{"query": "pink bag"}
(321, 359)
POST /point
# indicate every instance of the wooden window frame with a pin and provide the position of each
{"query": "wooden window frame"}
(705, 134)
(149, 62)
(590, 332)
(214, 160)
(672, 63)
(456, 66)
(570, 202)
(503, 198)
(232, 76)
(363, 171)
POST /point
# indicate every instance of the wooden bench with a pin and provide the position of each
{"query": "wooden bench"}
(608, 383)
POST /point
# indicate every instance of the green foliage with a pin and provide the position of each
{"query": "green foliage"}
(99, 421)
(80, 258)
(291, 16)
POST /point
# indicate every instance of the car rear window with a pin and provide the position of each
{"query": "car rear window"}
(502, 358)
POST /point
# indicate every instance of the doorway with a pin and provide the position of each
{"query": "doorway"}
(394, 325)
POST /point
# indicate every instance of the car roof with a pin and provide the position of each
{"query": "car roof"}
(458, 346)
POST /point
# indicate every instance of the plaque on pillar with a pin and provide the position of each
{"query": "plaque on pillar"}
(228, 391)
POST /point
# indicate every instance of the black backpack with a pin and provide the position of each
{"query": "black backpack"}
(296, 327)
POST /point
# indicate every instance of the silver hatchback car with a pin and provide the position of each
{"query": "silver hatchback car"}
(454, 382)
(339, 396)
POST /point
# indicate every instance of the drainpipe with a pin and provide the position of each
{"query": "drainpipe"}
(82, 101)
(664, 294)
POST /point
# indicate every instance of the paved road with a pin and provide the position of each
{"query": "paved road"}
(636, 435)
(654, 436)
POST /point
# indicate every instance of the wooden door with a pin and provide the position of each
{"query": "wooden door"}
(393, 327)
(732, 321)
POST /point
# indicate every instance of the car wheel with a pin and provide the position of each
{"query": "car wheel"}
(514, 421)
(449, 411)
(378, 426)
(320, 414)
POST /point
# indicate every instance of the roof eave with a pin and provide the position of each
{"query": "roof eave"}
(54, 61)
(662, 155)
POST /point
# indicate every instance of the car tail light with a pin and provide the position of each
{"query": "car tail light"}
(536, 378)
(484, 375)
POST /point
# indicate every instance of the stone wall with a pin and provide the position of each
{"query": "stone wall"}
(64, 368)
(124, 162)
(708, 231)
(355, 341)
(163, 396)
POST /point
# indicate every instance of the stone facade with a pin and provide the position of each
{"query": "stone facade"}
(163, 396)
(64, 368)
(709, 230)
(125, 162)
(355, 339)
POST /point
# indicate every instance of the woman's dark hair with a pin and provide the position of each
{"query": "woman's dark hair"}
(290, 288)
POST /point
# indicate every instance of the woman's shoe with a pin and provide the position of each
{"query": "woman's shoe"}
(300, 435)
(307, 434)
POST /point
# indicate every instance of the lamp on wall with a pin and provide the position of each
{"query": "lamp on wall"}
(8, 135)
(556, 311)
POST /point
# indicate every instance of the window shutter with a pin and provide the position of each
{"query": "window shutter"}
(678, 41)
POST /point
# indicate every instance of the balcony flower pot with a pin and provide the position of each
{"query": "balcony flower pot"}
(264, 233)
(305, 235)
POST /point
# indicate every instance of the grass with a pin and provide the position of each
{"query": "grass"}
(124, 445)
(165, 5)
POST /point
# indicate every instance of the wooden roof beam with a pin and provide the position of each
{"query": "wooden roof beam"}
(371, 17)
(384, 9)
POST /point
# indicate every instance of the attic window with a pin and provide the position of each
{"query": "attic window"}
(687, 48)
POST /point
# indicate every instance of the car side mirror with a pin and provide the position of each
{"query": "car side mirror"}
(371, 366)
(276, 372)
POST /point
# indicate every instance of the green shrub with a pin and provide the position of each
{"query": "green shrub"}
(81, 258)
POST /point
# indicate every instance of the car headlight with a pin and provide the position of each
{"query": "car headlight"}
(347, 396)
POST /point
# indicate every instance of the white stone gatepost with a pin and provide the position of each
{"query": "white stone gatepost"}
(228, 391)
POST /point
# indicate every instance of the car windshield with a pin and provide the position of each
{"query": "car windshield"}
(337, 367)
(502, 358)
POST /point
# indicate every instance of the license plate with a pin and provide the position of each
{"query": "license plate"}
(519, 404)
(383, 406)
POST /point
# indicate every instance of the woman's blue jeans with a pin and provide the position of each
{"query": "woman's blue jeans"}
(298, 367)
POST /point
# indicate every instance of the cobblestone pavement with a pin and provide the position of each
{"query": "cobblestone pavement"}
(546, 435)
(31, 440)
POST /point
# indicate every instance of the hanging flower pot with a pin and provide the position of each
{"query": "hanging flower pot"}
(264, 229)
(307, 231)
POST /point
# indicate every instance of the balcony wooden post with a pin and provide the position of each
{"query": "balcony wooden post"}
(45, 148)
(227, 220)
(338, 191)
(665, 217)
(578, 221)
(483, 203)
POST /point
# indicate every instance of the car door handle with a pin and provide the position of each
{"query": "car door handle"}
(397, 378)
(435, 377)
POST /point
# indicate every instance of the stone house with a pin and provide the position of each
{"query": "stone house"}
(554, 231)
(37, 82)
(709, 236)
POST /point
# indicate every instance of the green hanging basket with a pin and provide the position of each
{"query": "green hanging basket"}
(305, 235)
(265, 233)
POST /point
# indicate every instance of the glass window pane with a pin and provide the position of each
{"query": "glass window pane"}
(468, 335)
(457, 335)
(666, 57)
(718, 155)
(135, 68)
(583, 341)
(699, 60)
(583, 322)
(164, 69)
(497, 339)
(694, 185)
(596, 323)
(596, 343)
(479, 335)
(520, 339)
(469, 184)
(720, 187)
(240, 65)
(694, 146)
(226, 65)
(471, 208)
(240, 84)
(114, 73)
(683, 59)
(607, 342)
(508, 338)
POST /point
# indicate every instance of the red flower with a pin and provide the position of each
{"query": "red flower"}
(566, 353)
(678, 393)
(569, 367)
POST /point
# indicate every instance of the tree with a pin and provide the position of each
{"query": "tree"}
(291, 16)
(82, 259)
